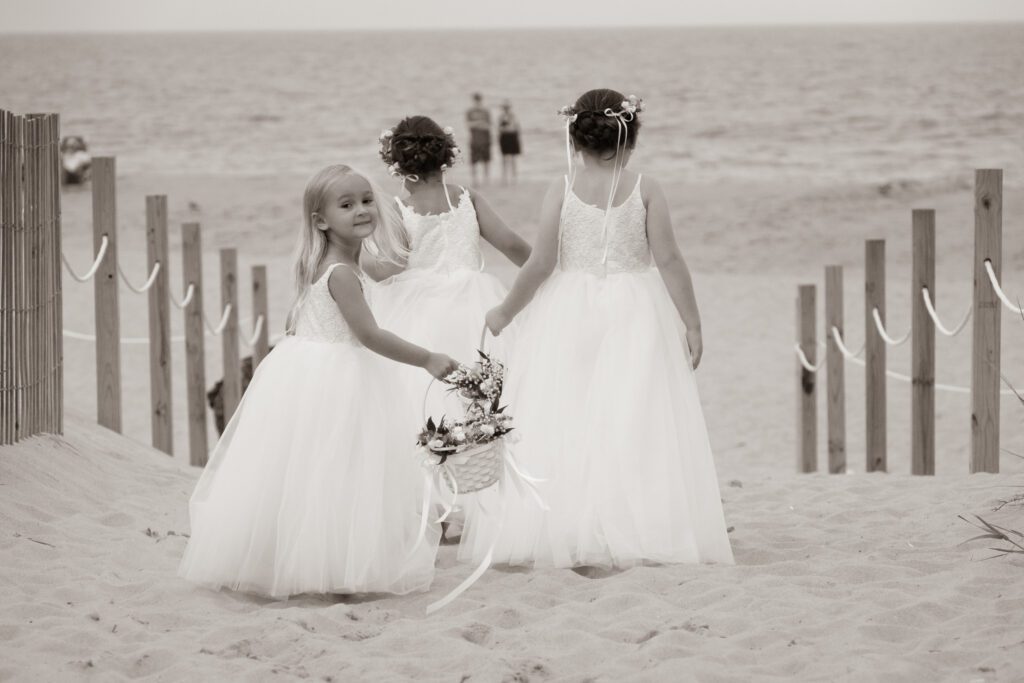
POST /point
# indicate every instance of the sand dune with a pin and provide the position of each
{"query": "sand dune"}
(857, 577)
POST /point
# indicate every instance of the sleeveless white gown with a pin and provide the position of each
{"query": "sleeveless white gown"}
(440, 299)
(312, 488)
(605, 403)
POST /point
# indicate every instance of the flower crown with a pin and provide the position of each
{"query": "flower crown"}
(387, 137)
(628, 108)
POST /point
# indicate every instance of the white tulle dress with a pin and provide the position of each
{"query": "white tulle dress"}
(440, 299)
(311, 488)
(605, 404)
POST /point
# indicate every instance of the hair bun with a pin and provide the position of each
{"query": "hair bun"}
(595, 131)
(418, 146)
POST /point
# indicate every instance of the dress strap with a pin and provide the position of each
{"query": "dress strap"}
(448, 199)
(355, 271)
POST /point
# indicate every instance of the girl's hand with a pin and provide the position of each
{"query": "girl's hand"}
(440, 365)
(496, 320)
(696, 344)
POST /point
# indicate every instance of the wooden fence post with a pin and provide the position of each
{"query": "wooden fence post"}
(162, 425)
(874, 357)
(19, 338)
(108, 324)
(195, 357)
(231, 388)
(57, 278)
(836, 374)
(922, 411)
(260, 308)
(985, 366)
(32, 253)
(7, 378)
(807, 381)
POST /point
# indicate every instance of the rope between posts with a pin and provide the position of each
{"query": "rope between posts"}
(81, 336)
(189, 293)
(895, 375)
(926, 295)
(95, 264)
(842, 347)
(999, 290)
(215, 331)
(806, 363)
(149, 282)
(258, 328)
(885, 335)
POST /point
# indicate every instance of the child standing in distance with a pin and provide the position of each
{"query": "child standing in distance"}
(312, 489)
(601, 383)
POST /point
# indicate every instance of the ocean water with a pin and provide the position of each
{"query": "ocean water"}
(812, 105)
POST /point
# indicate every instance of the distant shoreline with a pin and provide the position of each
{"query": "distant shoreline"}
(989, 23)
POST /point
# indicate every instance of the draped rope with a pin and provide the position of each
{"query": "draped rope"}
(104, 243)
(147, 285)
(926, 295)
(999, 290)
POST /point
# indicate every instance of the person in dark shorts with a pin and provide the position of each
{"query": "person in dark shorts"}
(508, 141)
(479, 119)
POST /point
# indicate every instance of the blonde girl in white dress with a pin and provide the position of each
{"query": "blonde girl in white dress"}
(313, 487)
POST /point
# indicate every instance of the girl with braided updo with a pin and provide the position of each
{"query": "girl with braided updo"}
(441, 294)
(601, 381)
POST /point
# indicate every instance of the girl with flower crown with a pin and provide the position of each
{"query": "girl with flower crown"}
(441, 293)
(601, 380)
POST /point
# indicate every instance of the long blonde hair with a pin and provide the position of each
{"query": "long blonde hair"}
(388, 242)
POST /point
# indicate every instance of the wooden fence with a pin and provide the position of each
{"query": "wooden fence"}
(31, 351)
(987, 302)
(30, 304)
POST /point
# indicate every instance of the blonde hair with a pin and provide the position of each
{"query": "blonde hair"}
(388, 242)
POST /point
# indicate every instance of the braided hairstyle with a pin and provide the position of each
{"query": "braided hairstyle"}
(418, 146)
(595, 131)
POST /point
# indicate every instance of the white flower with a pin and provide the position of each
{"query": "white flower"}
(386, 133)
(487, 429)
(436, 444)
(448, 130)
(459, 434)
(487, 386)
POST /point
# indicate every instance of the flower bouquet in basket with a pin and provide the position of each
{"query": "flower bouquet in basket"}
(468, 452)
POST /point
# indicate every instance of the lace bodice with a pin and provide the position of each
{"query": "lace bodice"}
(581, 246)
(444, 241)
(319, 317)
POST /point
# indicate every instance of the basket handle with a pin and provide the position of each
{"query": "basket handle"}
(483, 337)
(426, 392)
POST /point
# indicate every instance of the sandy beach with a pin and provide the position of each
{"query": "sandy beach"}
(858, 578)
(841, 577)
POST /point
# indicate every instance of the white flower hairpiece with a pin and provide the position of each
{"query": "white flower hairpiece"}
(633, 104)
(569, 112)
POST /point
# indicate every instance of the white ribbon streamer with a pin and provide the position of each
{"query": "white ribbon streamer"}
(511, 472)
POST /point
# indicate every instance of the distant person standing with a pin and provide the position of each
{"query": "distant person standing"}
(508, 141)
(479, 119)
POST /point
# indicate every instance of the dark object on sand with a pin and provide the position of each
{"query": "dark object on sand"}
(75, 161)
(213, 396)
